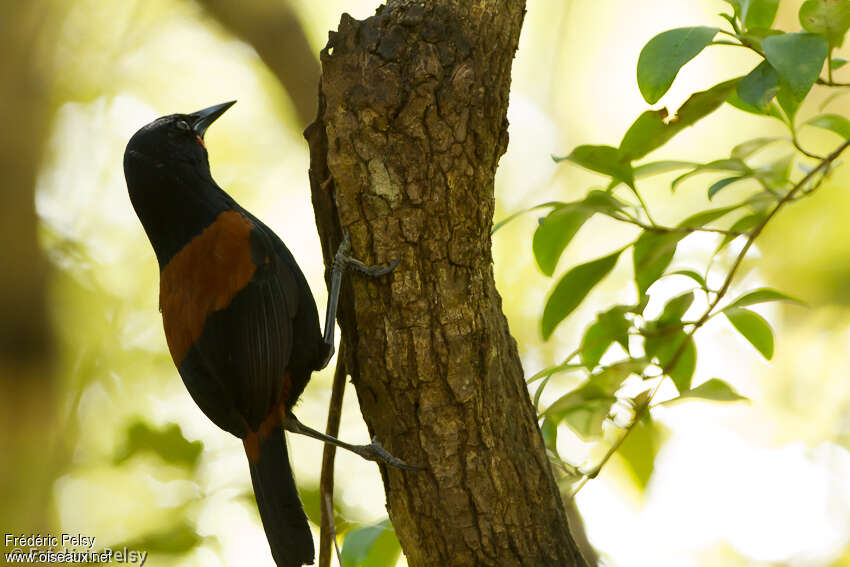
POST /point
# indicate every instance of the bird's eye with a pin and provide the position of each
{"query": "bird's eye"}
(183, 125)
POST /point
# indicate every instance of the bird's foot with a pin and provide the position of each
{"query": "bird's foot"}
(342, 261)
(374, 451)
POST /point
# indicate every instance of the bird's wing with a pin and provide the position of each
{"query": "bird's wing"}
(230, 305)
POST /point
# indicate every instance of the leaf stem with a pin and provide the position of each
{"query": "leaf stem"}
(744, 42)
(643, 206)
(829, 65)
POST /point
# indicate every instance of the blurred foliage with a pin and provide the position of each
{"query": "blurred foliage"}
(169, 444)
(175, 540)
(371, 546)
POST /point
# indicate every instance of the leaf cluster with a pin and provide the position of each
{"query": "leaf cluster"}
(650, 348)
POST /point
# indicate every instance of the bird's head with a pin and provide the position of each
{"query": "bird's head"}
(176, 137)
(169, 181)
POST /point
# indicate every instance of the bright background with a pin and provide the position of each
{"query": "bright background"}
(765, 483)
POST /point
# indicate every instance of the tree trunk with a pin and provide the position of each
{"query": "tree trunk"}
(27, 383)
(411, 126)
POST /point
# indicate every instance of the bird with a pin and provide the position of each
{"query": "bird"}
(240, 321)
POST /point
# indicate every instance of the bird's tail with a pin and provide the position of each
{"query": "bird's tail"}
(283, 517)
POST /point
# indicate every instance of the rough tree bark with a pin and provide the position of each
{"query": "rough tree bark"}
(410, 129)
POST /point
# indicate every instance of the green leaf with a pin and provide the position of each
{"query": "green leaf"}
(787, 101)
(833, 123)
(690, 274)
(829, 18)
(776, 173)
(594, 343)
(584, 409)
(666, 53)
(772, 110)
(610, 326)
(554, 233)
(762, 295)
(746, 149)
(676, 308)
(833, 97)
(734, 165)
(311, 501)
(652, 129)
(705, 102)
(640, 448)
(705, 217)
(837, 63)
(760, 86)
(728, 17)
(653, 252)
(610, 378)
(798, 58)
(762, 201)
(602, 159)
(508, 219)
(755, 36)
(371, 546)
(715, 390)
(758, 13)
(552, 370)
(754, 328)
(572, 289)
(718, 185)
(743, 224)
(663, 166)
(168, 443)
(736, 6)
(549, 430)
(647, 133)
(603, 202)
(663, 346)
(683, 371)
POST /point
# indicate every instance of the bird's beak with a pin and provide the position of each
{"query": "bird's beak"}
(203, 118)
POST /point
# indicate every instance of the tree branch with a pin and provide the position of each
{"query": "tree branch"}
(274, 30)
(326, 482)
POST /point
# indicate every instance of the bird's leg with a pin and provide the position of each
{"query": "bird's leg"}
(342, 262)
(374, 451)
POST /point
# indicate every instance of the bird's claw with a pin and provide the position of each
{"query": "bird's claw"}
(371, 452)
(343, 261)
(376, 452)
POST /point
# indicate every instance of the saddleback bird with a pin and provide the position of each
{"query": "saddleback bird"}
(240, 320)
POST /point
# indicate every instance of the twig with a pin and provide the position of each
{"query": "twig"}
(828, 83)
(327, 532)
(329, 510)
(683, 229)
(671, 364)
(800, 149)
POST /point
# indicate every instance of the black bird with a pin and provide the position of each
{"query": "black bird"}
(240, 320)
